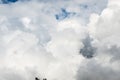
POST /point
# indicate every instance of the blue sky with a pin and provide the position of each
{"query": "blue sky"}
(8, 1)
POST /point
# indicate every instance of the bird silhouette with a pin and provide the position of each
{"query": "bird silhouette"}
(36, 78)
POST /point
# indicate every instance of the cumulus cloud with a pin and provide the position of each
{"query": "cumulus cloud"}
(104, 29)
(59, 40)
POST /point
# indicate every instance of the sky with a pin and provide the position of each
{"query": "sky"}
(60, 39)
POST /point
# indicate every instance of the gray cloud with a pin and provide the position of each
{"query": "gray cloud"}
(88, 50)
(94, 71)
(114, 52)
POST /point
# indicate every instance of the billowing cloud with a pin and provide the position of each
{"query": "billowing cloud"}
(104, 29)
(59, 40)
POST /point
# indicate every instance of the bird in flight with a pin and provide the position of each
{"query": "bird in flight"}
(36, 78)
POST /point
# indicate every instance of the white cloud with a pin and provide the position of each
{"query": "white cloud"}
(104, 29)
(33, 43)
